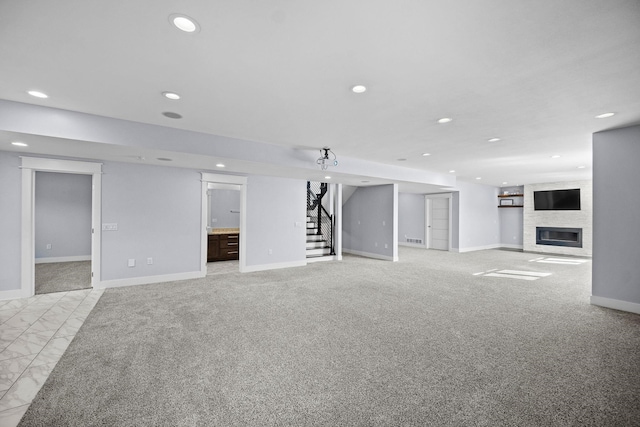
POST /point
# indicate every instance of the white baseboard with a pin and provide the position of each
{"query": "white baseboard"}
(616, 304)
(508, 246)
(63, 259)
(12, 294)
(146, 280)
(263, 267)
(370, 255)
(412, 245)
(477, 248)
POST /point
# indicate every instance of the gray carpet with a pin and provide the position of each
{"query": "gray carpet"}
(62, 276)
(355, 343)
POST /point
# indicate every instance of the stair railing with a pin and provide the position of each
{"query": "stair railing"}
(324, 221)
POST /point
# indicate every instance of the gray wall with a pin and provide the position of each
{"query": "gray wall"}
(222, 203)
(276, 221)
(479, 225)
(62, 208)
(411, 217)
(616, 209)
(157, 210)
(511, 220)
(362, 221)
(10, 221)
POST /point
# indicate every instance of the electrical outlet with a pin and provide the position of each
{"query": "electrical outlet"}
(270, 251)
(384, 223)
(386, 246)
(375, 244)
(131, 262)
(110, 227)
(149, 261)
(48, 245)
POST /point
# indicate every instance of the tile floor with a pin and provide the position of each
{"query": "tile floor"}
(34, 333)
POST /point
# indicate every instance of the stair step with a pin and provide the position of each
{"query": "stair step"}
(316, 245)
(311, 225)
(318, 252)
(314, 237)
(308, 219)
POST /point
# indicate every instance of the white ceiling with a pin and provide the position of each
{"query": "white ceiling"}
(533, 73)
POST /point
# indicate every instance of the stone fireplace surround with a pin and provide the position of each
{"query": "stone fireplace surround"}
(559, 219)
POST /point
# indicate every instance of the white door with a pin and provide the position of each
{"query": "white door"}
(438, 223)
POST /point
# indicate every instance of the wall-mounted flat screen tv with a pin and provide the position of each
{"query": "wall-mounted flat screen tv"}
(557, 200)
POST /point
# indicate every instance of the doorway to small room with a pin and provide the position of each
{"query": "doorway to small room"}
(62, 232)
(438, 214)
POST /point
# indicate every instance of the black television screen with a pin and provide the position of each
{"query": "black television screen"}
(557, 200)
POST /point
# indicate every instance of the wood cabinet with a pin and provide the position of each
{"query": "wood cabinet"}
(223, 247)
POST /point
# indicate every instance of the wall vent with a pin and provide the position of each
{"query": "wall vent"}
(418, 241)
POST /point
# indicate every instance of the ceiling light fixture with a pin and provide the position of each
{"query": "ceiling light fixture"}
(556, 156)
(605, 115)
(327, 177)
(165, 159)
(37, 94)
(581, 167)
(478, 178)
(220, 165)
(358, 89)
(452, 171)
(171, 95)
(494, 140)
(172, 115)
(426, 154)
(19, 144)
(444, 120)
(324, 160)
(505, 183)
(402, 160)
(184, 23)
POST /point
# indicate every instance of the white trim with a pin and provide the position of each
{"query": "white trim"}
(322, 258)
(12, 294)
(29, 166)
(412, 245)
(48, 260)
(508, 246)
(146, 280)
(275, 266)
(370, 255)
(616, 304)
(224, 179)
(477, 248)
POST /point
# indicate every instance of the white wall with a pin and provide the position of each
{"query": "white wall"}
(157, 210)
(616, 224)
(478, 218)
(572, 219)
(276, 221)
(225, 208)
(62, 206)
(368, 219)
(10, 208)
(411, 218)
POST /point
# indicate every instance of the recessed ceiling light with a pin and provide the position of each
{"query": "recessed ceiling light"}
(172, 115)
(556, 156)
(359, 89)
(452, 171)
(184, 23)
(505, 183)
(165, 159)
(581, 167)
(37, 94)
(327, 177)
(426, 154)
(171, 95)
(364, 182)
(494, 140)
(444, 120)
(19, 144)
(605, 115)
(402, 160)
(478, 178)
(220, 165)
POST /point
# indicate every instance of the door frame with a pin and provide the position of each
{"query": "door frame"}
(223, 179)
(31, 165)
(427, 217)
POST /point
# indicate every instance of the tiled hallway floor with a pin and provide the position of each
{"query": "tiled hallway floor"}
(34, 333)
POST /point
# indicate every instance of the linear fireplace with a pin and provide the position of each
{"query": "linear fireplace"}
(559, 236)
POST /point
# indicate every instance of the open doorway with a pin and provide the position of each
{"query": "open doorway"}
(30, 167)
(62, 232)
(224, 236)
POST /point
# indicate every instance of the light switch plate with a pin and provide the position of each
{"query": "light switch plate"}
(110, 227)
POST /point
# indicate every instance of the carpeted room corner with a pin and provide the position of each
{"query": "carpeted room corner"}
(424, 341)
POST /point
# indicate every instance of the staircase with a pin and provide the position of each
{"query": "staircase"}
(317, 246)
